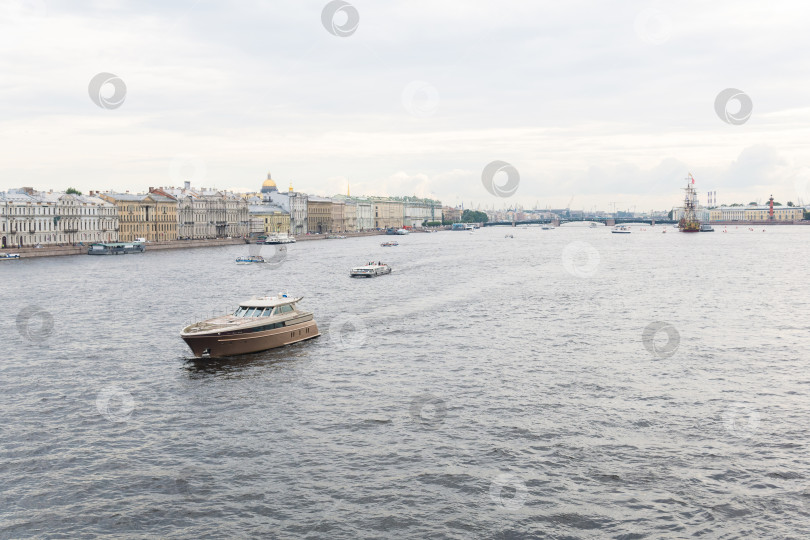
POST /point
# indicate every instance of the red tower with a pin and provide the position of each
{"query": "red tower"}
(770, 212)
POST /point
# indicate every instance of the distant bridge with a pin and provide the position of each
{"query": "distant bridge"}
(559, 221)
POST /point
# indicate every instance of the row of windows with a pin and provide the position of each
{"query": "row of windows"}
(261, 312)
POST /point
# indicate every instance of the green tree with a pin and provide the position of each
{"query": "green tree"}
(72, 191)
(752, 203)
(790, 203)
(669, 215)
(474, 216)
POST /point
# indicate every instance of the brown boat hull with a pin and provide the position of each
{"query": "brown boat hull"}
(216, 346)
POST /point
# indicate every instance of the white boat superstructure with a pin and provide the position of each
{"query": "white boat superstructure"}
(371, 269)
(279, 238)
(4, 256)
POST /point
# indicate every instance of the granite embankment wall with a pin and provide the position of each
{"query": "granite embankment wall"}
(55, 251)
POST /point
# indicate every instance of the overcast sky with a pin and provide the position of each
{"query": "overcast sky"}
(600, 101)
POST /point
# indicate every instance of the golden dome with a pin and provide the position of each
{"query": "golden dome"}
(269, 182)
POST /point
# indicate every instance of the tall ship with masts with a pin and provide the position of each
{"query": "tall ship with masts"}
(689, 222)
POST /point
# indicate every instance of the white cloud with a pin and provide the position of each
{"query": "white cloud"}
(566, 92)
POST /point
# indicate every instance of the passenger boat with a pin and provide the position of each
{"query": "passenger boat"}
(389, 244)
(335, 237)
(371, 269)
(279, 238)
(705, 227)
(258, 324)
(250, 259)
(621, 229)
(4, 256)
(116, 248)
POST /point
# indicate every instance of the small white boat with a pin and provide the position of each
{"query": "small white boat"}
(251, 259)
(279, 238)
(593, 225)
(9, 256)
(371, 269)
(335, 237)
(403, 231)
(621, 229)
(547, 227)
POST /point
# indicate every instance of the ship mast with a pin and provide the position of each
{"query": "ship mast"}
(689, 222)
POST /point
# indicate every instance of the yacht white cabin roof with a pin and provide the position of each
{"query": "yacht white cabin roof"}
(270, 301)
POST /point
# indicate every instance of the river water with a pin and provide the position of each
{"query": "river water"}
(565, 384)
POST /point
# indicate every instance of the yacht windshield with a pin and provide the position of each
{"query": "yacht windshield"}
(240, 312)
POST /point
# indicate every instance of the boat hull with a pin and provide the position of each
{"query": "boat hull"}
(217, 346)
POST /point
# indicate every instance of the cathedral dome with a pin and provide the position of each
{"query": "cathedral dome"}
(269, 185)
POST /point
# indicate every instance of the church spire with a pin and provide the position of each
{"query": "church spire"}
(348, 188)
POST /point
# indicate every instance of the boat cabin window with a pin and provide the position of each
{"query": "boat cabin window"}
(240, 312)
(267, 312)
(285, 308)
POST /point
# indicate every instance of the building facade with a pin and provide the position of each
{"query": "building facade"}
(451, 214)
(29, 218)
(781, 214)
(350, 216)
(319, 215)
(294, 203)
(268, 219)
(418, 211)
(150, 216)
(338, 217)
(388, 213)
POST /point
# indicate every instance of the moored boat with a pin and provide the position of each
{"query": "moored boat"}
(258, 324)
(335, 237)
(279, 238)
(250, 259)
(116, 248)
(371, 269)
(4, 256)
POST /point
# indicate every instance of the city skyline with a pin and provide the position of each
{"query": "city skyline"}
(608, 104)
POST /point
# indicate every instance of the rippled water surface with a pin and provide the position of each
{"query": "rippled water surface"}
(488, 388)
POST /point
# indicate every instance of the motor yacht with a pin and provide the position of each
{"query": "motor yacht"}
(4, 256)
(621, 229)
(258, 324)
